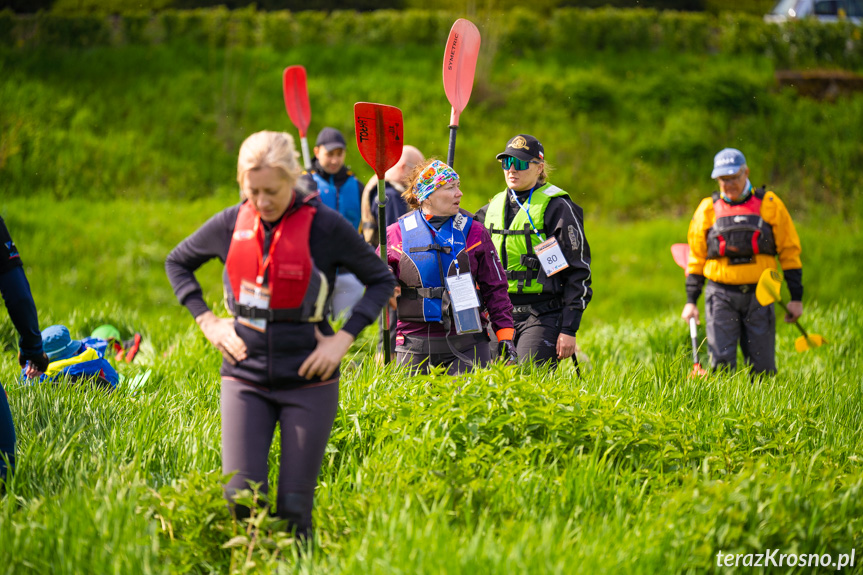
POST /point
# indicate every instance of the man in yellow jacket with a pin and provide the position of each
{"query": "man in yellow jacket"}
(734, 235)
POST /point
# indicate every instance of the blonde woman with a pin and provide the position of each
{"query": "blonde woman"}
(281, 247)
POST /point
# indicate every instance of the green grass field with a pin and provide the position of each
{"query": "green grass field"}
(634, 468)
(110, 156)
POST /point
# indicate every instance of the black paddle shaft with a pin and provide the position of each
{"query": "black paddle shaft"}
(450, 155)
(382, 242)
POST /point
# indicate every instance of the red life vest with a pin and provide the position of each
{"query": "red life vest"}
(739, 232)
(294, 282)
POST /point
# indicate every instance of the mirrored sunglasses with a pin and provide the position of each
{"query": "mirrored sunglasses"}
(508, 162)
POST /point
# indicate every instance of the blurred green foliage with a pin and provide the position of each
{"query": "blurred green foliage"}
(631, 105)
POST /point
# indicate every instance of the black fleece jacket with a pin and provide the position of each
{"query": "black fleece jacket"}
(274, 357)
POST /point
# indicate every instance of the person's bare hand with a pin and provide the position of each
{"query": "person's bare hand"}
(32, 371)
(565, 346)
(34, 365)
(327, 356)
(794, 311)
(221, 333)
(690, 310)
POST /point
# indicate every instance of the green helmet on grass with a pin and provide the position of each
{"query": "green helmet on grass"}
(107, 332)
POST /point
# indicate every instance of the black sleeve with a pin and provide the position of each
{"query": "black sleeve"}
(794, 278)
(479, 216)
(396, 206)
(344, 247)
(22, 311)
(9, 257)
(565, 220)
(212, 240)
(694, 285)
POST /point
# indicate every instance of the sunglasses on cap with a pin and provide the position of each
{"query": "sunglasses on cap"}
(508, 162)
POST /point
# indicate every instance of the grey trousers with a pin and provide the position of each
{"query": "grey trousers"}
(249, 417)
(423, 352)
(734, 316)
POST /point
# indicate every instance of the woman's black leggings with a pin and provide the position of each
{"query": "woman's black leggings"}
(249, 418)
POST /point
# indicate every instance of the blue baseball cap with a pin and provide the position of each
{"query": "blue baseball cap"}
(58, 344)
(727, 163)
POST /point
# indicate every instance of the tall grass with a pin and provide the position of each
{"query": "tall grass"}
(635, 468)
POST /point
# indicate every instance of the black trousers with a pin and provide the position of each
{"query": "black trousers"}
(734, 317)
(423, 352)
(536, 336)
(249, 418)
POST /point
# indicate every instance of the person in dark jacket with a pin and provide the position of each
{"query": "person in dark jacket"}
(396, 180)
(539, 233)
(281, 247)
(448, 271)
(340, 190)
(22, 311)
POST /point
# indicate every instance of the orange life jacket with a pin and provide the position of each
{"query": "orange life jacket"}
(298, 290)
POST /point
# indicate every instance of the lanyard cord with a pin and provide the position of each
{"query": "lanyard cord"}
(526, 208)
(434, 233)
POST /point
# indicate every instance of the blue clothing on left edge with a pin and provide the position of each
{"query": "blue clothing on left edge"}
(7, 435)
(22, 310)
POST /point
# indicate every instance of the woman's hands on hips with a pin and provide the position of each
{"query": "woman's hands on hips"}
(220, 332)
(327, 356)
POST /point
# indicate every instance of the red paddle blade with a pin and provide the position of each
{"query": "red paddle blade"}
(698, 371)
(380, 135)
(681, 255)
(459, 65)
(297, 98)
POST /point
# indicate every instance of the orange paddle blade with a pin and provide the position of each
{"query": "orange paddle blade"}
(680, 252)
(459, 65)
(297, 98)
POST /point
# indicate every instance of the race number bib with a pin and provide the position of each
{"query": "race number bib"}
(254, 296)
(551, 257)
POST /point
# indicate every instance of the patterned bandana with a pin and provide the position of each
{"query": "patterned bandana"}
(436, 175)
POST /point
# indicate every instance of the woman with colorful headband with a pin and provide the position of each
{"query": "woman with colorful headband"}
(449, 274)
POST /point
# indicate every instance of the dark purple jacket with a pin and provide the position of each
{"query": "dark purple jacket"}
(274, 357)
(487, 272)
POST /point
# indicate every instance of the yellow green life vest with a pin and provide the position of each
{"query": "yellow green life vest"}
(515, 244)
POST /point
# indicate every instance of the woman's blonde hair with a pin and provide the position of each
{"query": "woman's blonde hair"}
(543, 175)
(269, 150)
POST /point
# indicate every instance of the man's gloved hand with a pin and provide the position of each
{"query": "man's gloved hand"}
(506, 350)
(39, 362)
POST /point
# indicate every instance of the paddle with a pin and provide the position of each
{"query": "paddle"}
(459, 66)
(380, 138)
(297, 104)
(768, 291)
(680, 252)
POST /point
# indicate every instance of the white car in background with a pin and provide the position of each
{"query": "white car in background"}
(822, 10)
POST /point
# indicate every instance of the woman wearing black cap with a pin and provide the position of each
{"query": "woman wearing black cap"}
(539, 235)
(281, 247)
